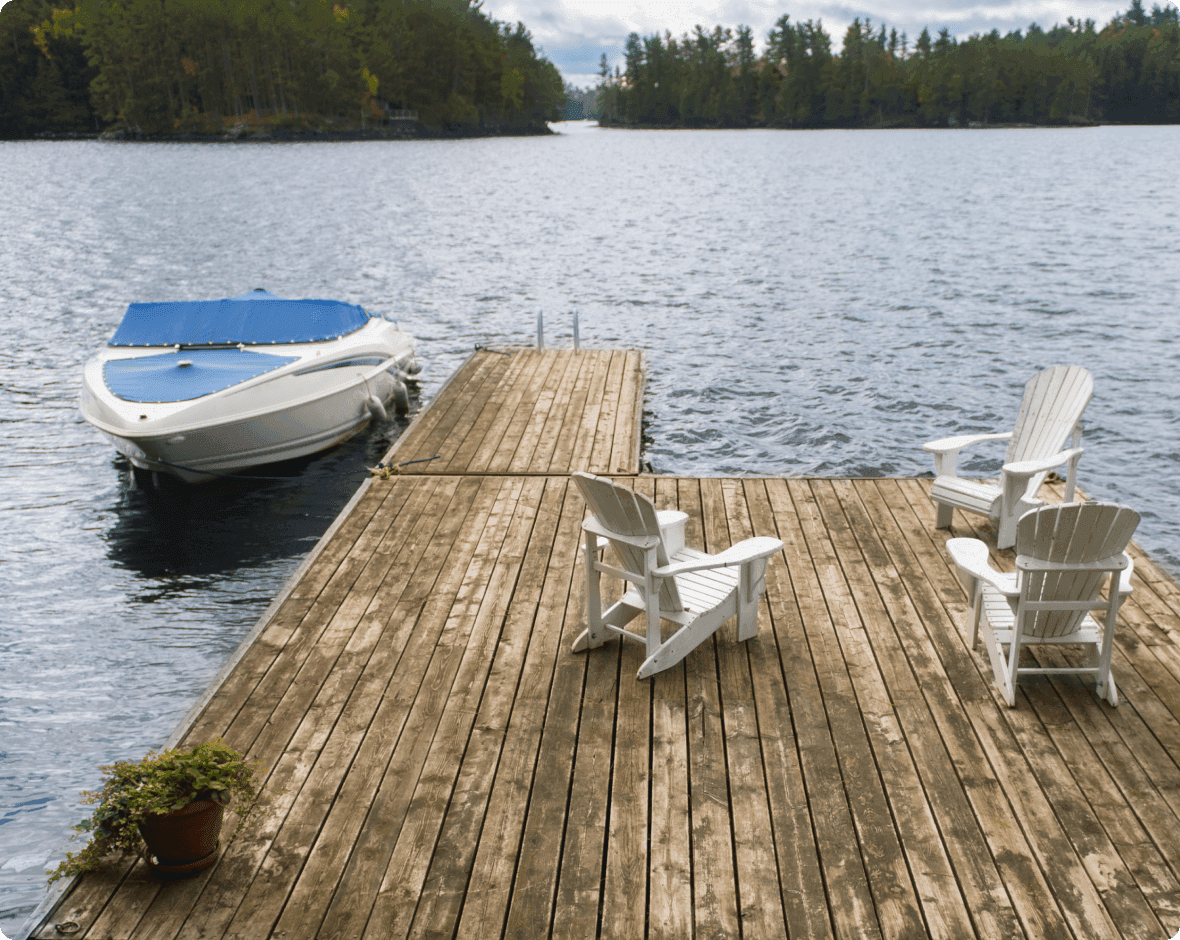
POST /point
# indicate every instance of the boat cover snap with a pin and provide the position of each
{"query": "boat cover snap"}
(256, 318)
(162, 377)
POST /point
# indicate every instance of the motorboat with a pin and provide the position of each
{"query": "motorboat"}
(202, 389)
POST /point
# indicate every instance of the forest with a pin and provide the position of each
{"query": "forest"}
(1127, 72)
(150, 68)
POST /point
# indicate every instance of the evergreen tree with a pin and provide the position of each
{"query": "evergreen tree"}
(746, 89)
(180, 66)
(163, 66)
(44, 75)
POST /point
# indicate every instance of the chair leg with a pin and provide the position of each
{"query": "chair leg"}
(945, 512)
(1106, 686)
(683, 642)
(1006, 530)
(1071, 476)
(1011, 507)
(1000, 663)
(976, 611)
(595, 634)
(618, 616)
(598, 623)
(1012, 665)
(750, 588)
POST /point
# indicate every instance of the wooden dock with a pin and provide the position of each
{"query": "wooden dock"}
(446, 767)
(532, 412)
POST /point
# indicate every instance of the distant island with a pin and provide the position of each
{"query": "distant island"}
(198, 69)
(1128, 72)
(325, 69)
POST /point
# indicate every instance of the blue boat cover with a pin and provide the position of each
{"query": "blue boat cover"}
(255, 318)
(162, 377)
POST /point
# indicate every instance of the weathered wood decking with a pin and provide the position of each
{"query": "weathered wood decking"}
(532, 411)
(447, 768)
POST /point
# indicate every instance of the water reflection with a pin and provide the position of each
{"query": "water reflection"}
(177, 535)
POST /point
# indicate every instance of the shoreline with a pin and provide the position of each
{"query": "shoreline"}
(890, 126)
(241, 134)
(257, 134)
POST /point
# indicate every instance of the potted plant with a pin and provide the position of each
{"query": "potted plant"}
(167, 807)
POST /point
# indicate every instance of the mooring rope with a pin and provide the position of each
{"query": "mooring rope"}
(387, 470)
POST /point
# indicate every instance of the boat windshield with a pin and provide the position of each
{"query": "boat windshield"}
(253, 319)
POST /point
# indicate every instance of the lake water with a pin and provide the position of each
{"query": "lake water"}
(811, 303)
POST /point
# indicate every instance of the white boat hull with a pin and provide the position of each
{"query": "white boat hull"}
(292, 411)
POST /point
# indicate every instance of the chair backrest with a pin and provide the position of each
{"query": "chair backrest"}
(625, 512)
(1075, 534)
(1052, 405)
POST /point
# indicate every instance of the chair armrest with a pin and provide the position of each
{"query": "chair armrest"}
(740, 554)
(1028, 468)
(946, 450)
(970, 556)
(963, 440)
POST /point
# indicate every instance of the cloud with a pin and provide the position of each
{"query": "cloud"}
(574, 35)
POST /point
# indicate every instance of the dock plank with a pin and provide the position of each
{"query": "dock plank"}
(574, 413)
(842, 864)
(858, 710)
(670, 908)
(542, 680)
(628, 416)
(582, 455)
(415, 703)
(759, 894)
(559, 878)
(445, 784)
(499, 755)
(602, 451)
(530, 411)
(543, 429)
(801, 881)
(933, 703)
(472, 440)
(714, 876)
(437, 432)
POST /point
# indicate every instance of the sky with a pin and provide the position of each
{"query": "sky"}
(573, 34)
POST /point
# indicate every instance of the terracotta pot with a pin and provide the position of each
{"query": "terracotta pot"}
(186, 841)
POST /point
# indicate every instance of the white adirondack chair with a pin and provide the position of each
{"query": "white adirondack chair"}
(1050, 412)
(664, 579)
(1064, 557)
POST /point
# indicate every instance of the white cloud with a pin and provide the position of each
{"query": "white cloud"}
(573, 35)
